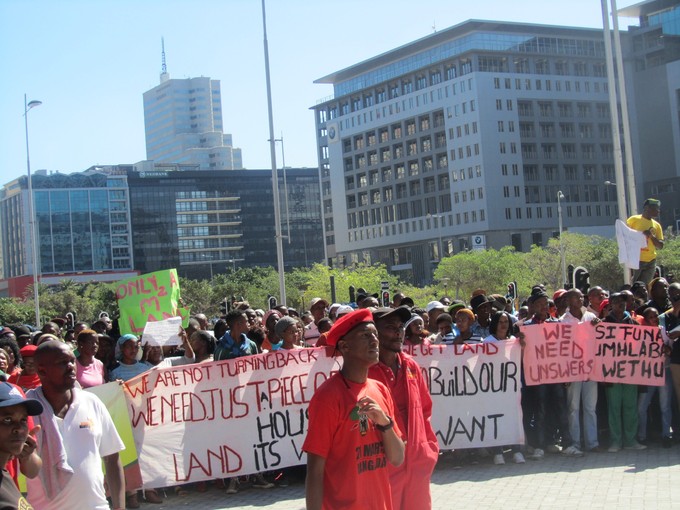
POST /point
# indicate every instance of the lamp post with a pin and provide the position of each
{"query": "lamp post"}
(31, 213)
(560, 197)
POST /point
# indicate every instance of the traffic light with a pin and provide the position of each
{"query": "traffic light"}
(272, 302)
(569, 284)
(512, 291)
(224, 306)
(658, 271)
(386, 298)
(352, 294)
(581, 279)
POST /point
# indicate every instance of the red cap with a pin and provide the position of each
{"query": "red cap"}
(348, 322)
(28, 350)
(558, 294)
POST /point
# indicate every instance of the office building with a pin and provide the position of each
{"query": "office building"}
(82, 227)
(463, 140)
(652, 64)
(112, 222)
(205, 222)
(183, 124)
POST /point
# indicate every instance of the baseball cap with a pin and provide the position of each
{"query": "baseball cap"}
(317, 300)
(434, 305)
(402, 312)
(10, 395)
(653, 202)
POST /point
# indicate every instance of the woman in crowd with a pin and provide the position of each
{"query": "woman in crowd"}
(10, 346)
(127, 354)
(465, 318)
(500, 329)
(203, 345)
(154, 354)
(415, 333)
(28, 377)
(287, 333)
(269, 321)
(129, 367)
(89, 370)
(650, 317)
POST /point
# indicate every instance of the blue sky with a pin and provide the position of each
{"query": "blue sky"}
(89, 61)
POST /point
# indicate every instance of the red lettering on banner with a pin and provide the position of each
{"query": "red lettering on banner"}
(152, 301)
(212, 464)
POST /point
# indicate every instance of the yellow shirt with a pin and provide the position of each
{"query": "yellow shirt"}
(638, 222)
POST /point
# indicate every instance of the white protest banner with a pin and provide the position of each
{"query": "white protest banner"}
(236, 417)
(606, 352)
(165, 332)
(226, 418)
(475, 393)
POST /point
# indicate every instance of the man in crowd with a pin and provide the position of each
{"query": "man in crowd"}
(595, 297)
(410, 482)
(317, 308)
(434, 309)
(77, 432)
(537, 400)
(235, 342)
(481, 306)
(585, 391)
(651, 228)
(352, 435)
(622, 398)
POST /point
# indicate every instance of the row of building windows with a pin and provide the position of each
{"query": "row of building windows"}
(567, 150)
(566, 172)
(582, 109)
(571, 211)
(566, 130)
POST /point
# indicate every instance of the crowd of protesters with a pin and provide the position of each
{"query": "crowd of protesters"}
(566, 419)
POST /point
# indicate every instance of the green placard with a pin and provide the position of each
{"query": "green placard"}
(148, 297)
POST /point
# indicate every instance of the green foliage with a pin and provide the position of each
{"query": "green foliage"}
(362, 275)
(490, 270)
(456, 276)
(15, 311)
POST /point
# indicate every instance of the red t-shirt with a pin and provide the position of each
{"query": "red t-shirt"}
(25, 381)
(356, 475)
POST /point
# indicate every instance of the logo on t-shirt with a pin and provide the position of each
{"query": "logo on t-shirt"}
(361, 418)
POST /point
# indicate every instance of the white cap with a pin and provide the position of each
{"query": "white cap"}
(434, 305)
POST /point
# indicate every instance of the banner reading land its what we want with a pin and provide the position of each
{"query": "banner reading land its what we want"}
(557, 352)
(236, 417)
(148, 297)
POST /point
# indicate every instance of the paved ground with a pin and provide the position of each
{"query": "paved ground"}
(649, 479)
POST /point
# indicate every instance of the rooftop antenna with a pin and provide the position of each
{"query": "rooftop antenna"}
(164, 68)
(434, 26)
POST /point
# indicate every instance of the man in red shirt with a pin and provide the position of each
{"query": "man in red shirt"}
(352, 435)
(410, 482)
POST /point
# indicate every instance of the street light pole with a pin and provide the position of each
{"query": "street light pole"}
(560, 197)
(31, 213)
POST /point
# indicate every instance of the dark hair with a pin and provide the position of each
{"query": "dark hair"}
(220, 328)
(6, 341)
(207, 338)
(444, 317)
(324, 325)
(233, 316)
(495, 319)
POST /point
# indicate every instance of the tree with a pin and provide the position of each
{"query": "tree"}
(490, 270)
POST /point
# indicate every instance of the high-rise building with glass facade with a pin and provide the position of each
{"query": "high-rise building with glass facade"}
(82, 228)
(463, 140)
(183, 124)
(111, 222)
(204, 222)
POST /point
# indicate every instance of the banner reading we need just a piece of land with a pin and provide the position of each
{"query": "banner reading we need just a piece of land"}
(557, 352)
(247, 415)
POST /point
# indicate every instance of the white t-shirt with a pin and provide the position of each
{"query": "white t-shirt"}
(88, 434)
